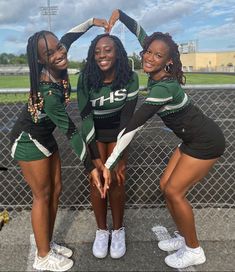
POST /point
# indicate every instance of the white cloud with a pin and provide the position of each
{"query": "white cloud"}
(206, 20)
(11, 27)
(217, 32)
(161, 14)
(15, 11)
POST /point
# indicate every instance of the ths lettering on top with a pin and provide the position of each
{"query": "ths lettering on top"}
(116, 96)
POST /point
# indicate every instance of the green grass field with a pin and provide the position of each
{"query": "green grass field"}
(23, 82)
(209, 79)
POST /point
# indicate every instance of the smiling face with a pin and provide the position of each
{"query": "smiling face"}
(52, 54)
(155, 58)
(105, 54)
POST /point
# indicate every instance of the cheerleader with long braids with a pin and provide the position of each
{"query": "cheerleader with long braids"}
(34, 146)
(202, 140)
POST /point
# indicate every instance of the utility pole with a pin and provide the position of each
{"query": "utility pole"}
(132, 63)
(49, 11)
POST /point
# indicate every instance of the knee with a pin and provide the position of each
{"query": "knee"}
(171, 194)
(120, 171)
(42, 194)
(58, 189)
(116, 190)
(162, 185)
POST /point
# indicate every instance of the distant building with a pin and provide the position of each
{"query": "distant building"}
(208, 61)
(195, 61)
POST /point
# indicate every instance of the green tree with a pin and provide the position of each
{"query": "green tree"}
(137, 61)
(4, 59)
(73, 64)
(13, 59)
(82, 64)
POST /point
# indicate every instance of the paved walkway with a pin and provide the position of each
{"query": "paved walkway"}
(143, 230)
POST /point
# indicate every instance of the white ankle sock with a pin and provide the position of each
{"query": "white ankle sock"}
(195, 250)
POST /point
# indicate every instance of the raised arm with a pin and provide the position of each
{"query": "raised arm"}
(73, 34)
(131, 100)
(130, 23)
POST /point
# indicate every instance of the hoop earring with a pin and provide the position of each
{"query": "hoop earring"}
(167, 68)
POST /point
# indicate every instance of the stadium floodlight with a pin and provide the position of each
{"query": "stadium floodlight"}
(49, 11)
(188, 47)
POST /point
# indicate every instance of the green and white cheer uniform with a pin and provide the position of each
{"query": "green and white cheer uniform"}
(35, 141)
(201, 136)
(105, 111)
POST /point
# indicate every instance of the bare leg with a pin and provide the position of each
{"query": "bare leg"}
(37, 175)
(117, 194)
(56, 188)
(99, 204)
(166, 175)
(186, 173)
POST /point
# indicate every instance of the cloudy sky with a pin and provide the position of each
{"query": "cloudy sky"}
(209, 22)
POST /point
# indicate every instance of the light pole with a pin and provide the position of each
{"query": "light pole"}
(49, 10)
(132, 63)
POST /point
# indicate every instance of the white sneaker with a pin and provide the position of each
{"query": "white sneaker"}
(100, 245)
(62, 250)
(52, 262)
(118, 243)
(185, 257)
(173, 243)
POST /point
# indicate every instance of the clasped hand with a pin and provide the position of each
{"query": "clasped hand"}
(107, 25)
(100, 172)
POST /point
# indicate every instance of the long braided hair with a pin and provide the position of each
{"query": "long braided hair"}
(175, 69)
(35, 102)
(94, 77)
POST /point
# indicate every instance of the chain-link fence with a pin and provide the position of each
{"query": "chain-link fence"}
(148, 156)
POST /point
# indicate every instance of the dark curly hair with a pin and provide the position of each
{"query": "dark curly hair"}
(175, 69)
(94, 77)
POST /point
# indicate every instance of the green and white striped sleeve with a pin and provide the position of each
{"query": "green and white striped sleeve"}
(76, 32)
(55, 110)
(133, 26)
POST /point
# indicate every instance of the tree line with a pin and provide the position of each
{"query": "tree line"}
(22, 60)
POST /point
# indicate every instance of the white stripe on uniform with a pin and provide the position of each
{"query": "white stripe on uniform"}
(42, 148)
(153, 99)
(173, 107)
(14, 146)
(132, 94)
(103, 112)
(90, 134)
(121, 144)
